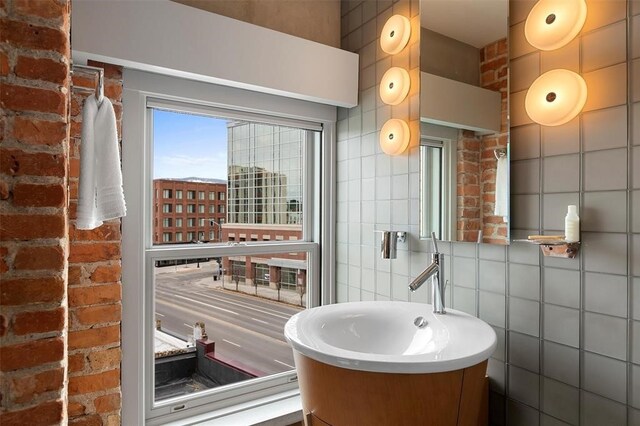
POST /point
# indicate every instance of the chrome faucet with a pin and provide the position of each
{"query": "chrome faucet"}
(434, 271)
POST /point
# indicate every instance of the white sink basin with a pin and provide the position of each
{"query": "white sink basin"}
(382, 337)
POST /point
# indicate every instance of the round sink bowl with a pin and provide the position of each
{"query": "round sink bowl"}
(383, 337)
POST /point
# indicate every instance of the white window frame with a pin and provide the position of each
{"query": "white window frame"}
(139, 253)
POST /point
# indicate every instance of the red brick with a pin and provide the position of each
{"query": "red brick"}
(30, 36)
(41, 69)
(39, 321)
(23, 389)
(4, 64)
(39, 132)
(113, 90)
(22, 98)
(76, 129)
(75, 409)
(4, 325)
(31, 354)
(89, 420)
(30, 227)
(44, 257)
(17, 162)
(47, 413)
(110, 71)
(107, 403)
(94, 382)
(74, 274)
(106, 274)
(49, 9)
(22, 291)
(94, 337)
(94, 252)
(106, 232)
(98, 314)
(103, 360)
(4, 190)
(29, 195)
(74, 167)
(76, 362)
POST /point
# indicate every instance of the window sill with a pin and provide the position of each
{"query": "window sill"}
(278, 410)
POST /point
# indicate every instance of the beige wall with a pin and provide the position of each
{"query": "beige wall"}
(309, 19)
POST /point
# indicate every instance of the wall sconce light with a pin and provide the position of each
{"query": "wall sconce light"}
(395, 34)
(394, 136)
(556, 97)
(552, 24)
(394, 86)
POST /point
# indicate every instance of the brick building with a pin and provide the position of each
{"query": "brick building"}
(189, 209)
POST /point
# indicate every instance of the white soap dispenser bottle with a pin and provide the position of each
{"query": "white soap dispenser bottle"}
(572, 225)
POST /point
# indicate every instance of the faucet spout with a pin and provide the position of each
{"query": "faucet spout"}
(424, 276)
(435, 272)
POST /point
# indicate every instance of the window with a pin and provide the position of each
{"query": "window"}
(178, 222)
(201, 221)
(166, 208)
(167, 222)
(191, 208)
(212, 208)
(200, 208)
(166, 237)
(166, 193)
(254, 148)
(212, 195)
(221, 208)
(179, 194)
(178, 208)
(200, 195)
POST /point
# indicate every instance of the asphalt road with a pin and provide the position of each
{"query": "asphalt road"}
(245, 328)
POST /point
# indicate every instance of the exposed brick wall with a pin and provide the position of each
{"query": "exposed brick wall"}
(476, 162)
(494, 68)
(94, 282)
(34, 144)
(468, 190)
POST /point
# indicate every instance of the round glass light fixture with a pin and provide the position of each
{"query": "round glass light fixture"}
(394, 136)
(556, 97)
(552, 24)
(395, 34)
(394, 86)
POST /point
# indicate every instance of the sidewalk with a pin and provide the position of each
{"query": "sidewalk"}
(287, 296)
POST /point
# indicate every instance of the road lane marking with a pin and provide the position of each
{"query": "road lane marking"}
(248, 306)
(284, 363)
(158, 313)
(190, 326)
(200, 302)
(280, 340)
(231, 343)
(256, 319)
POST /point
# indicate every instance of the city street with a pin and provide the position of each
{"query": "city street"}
(245, 328)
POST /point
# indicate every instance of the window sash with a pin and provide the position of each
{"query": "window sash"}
(137, 240)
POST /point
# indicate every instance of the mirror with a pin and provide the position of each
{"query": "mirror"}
(464, 141)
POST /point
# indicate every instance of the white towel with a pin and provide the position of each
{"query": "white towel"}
(502, 188)
(100, 195)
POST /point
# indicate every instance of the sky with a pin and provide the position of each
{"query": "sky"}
(187, 145)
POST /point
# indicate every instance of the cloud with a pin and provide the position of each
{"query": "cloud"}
(182, 165)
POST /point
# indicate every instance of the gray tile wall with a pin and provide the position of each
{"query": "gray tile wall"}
(568, 330)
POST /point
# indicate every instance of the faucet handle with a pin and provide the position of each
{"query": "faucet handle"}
(435, 245)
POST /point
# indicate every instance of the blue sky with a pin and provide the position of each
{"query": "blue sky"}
(188, 145)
